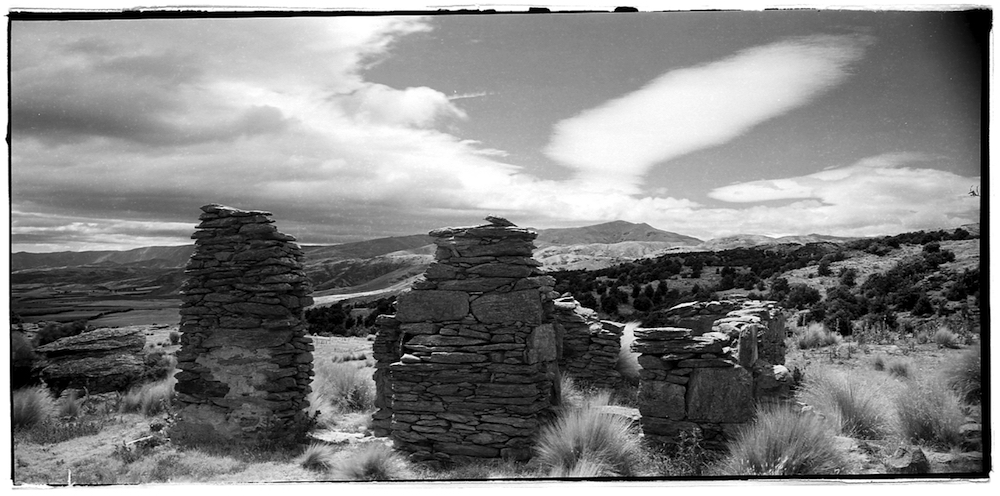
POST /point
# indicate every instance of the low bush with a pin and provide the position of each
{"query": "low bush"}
(53, 331)
(149, 399)
(965, 375)
(586, 435)
(783, 442)
(944, 338)
(855, 402)
(316, 457)
(30, 407)
(70, 404)
(373, 462)
(930, 412)
(817, 336)
(175, 337)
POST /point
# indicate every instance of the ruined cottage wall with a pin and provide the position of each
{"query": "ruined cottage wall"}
(245, 360)
(590, 347)
(477, 351)
(708, 382)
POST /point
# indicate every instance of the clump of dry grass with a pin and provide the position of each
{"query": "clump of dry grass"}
(590, 437)
(855, 401)
(930, 412)
(373, 462)
(965, 375)
(817, 336)
(900, 368)
(783, 442)
(944, 338)
(149, 399)
(342, 387)
(70, 404)
(878, 363)
(30, 407)
(316, 457)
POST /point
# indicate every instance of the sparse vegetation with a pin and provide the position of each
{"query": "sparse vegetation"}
(783, 442)
(342, 387)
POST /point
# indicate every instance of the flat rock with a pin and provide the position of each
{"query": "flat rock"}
(720, 395)
(118, 340)
(432, 305)
(517, 306)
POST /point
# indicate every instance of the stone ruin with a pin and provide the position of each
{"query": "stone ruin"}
(707, 383)
(467, 367)
(245, 360)
(590, 347)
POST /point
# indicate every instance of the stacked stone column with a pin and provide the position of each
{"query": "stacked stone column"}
(590, 347)
(245, 359)
(477, 352)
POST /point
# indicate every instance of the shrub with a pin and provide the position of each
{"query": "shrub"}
(965, 375)
(175, 337)
(946, 339)
(316, 457)
(856, 404)
(345, 387)
(373, 462)
(31, 406)
(816, 336)
(930, 412)
(149, 399)
(53, 331)
(783, 442)
(628, 362)
(585, 435)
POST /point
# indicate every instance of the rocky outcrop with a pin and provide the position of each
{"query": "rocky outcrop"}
(590, 347)
(98, 361)
(471, 352)
(245, 361)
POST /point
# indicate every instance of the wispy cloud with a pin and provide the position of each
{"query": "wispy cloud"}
(689, 109)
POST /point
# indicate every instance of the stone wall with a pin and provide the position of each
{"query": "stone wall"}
(709, 382)
(476, 368)
(590, 347)
(245, 361)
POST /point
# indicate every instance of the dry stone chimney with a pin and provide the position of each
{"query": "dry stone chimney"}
(468, 364)
(245, 360)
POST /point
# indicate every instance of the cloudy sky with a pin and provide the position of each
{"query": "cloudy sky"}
(349, 128)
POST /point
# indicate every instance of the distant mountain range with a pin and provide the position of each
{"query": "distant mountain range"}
(377, 263)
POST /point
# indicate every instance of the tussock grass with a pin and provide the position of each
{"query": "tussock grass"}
(856, 402)
(70, 404)
(586, 435)
(373, 462)
(900, 368)
(930, 412)
(965, 375)
(175, 337)
(817, 336)
(149, 399)
(944, 338)
(628, 362)
(783, 442)
(31, 406)
(878, 363)
(316, 457)
(342, 388)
